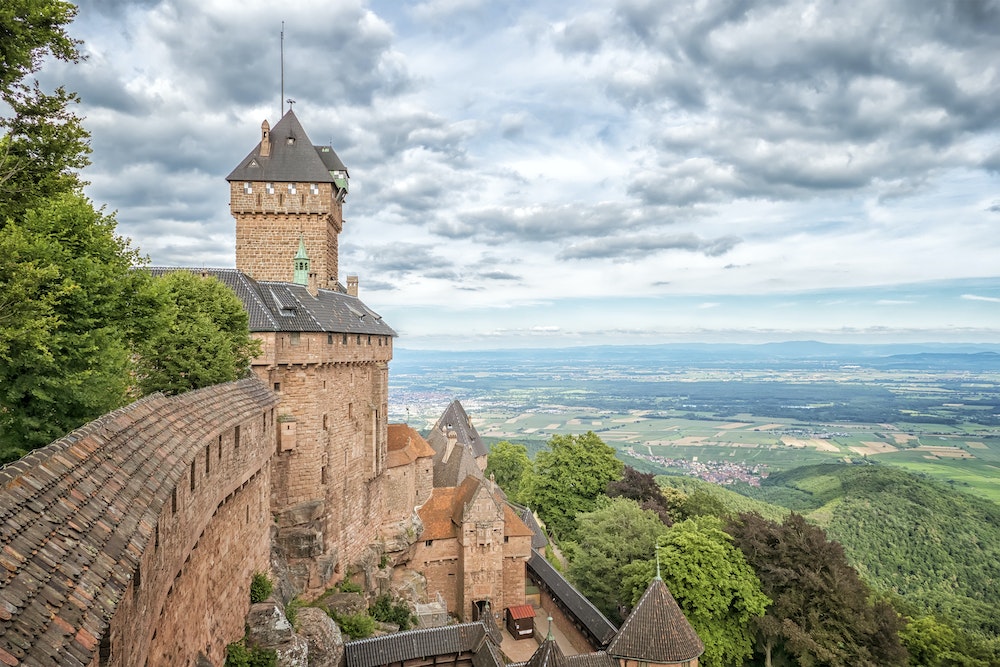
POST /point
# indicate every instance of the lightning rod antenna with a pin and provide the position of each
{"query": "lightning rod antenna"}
(281, 100)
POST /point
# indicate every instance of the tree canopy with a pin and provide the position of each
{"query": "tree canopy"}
(82, 330)
(569, 477)
(66, 286)
(821, 612)
(511, 467)
(197, 337)
(714, 586)
(610, 538)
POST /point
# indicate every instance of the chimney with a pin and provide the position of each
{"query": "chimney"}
(452, 441)
(265, 139)
(352, 285)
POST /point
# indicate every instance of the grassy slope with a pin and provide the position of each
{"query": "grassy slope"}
(935, 546)
(732, 501)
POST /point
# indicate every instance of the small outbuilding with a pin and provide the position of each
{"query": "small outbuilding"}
(521, 621)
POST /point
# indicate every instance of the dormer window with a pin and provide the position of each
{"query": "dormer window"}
(247, 189)
(270, 188)
(313, 189)
(291, 188)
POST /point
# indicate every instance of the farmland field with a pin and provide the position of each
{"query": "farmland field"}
(735, 419)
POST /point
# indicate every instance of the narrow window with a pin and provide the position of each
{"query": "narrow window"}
(322, 475)
(428, 543)
(173, 501)
(277, 386)
(208, 460)
(324, 422)
(247, 189)
(270, 188)
(329, 339)
(369, 340)
(281, 200)
(220, 446)
(258, 200)
(302, 199)
(291, 188)
(137, 580)
(236, 437)
(357, 340)
(156, 536)
(344, 340)
(313, 189)
(192, 475)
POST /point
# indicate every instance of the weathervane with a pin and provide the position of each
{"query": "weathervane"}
(290, 103)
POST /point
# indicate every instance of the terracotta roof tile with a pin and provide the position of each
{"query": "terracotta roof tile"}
(436, 514)
(78, 513)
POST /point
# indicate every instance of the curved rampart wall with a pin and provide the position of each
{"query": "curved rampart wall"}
(131, 541)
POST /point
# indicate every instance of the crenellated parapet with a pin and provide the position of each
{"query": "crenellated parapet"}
(132, 540)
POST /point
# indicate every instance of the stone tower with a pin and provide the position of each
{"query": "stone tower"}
(284, 190)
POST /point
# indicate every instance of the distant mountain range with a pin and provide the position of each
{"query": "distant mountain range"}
(957, 356)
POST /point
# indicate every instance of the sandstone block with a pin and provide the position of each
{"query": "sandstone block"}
(326, 644)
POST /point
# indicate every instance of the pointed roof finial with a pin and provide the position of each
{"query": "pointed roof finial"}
(658, 577)
(550, 635)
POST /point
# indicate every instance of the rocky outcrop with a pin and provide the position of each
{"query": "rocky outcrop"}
(267, 628)
(326, 644)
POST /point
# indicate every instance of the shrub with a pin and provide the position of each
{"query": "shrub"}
(260, 587)
(238, 655)
(348, 586)
(358, 626)
(398, 613)
(292, 611)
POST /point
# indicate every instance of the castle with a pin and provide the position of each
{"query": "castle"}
(120, 533)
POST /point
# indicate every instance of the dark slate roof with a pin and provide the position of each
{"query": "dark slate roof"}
(455, 419)
(538, 539)
(599, 627)
(296, 162)
(459, 466)
(492, 629)
(429, 642)
(656, 630)
(276, 306)
(599, 659)
(78, 514)
(548, 654)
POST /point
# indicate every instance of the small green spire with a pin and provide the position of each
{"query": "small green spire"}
(301, 264)
(658, 577)
(550, 635)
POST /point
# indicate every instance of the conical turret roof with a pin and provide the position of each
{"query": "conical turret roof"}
(656, 630)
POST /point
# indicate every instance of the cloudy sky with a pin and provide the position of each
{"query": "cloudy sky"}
(549, 173)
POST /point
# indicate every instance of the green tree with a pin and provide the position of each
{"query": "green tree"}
(199, 336)
(714, 586)
(510, 465)
(43, 142)
(67, 289)
(642, 488)
(569, 477)
(610, 538)
(821, 612)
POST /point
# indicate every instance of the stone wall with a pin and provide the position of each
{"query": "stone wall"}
(326, 478)
(131, 540)
(268, 225)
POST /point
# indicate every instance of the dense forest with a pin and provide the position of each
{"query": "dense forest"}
(935, 547)
(838, 565)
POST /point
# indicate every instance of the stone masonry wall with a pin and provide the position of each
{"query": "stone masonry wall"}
(438, 562)
(118, 546)
(269, 222)
(326, 484)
